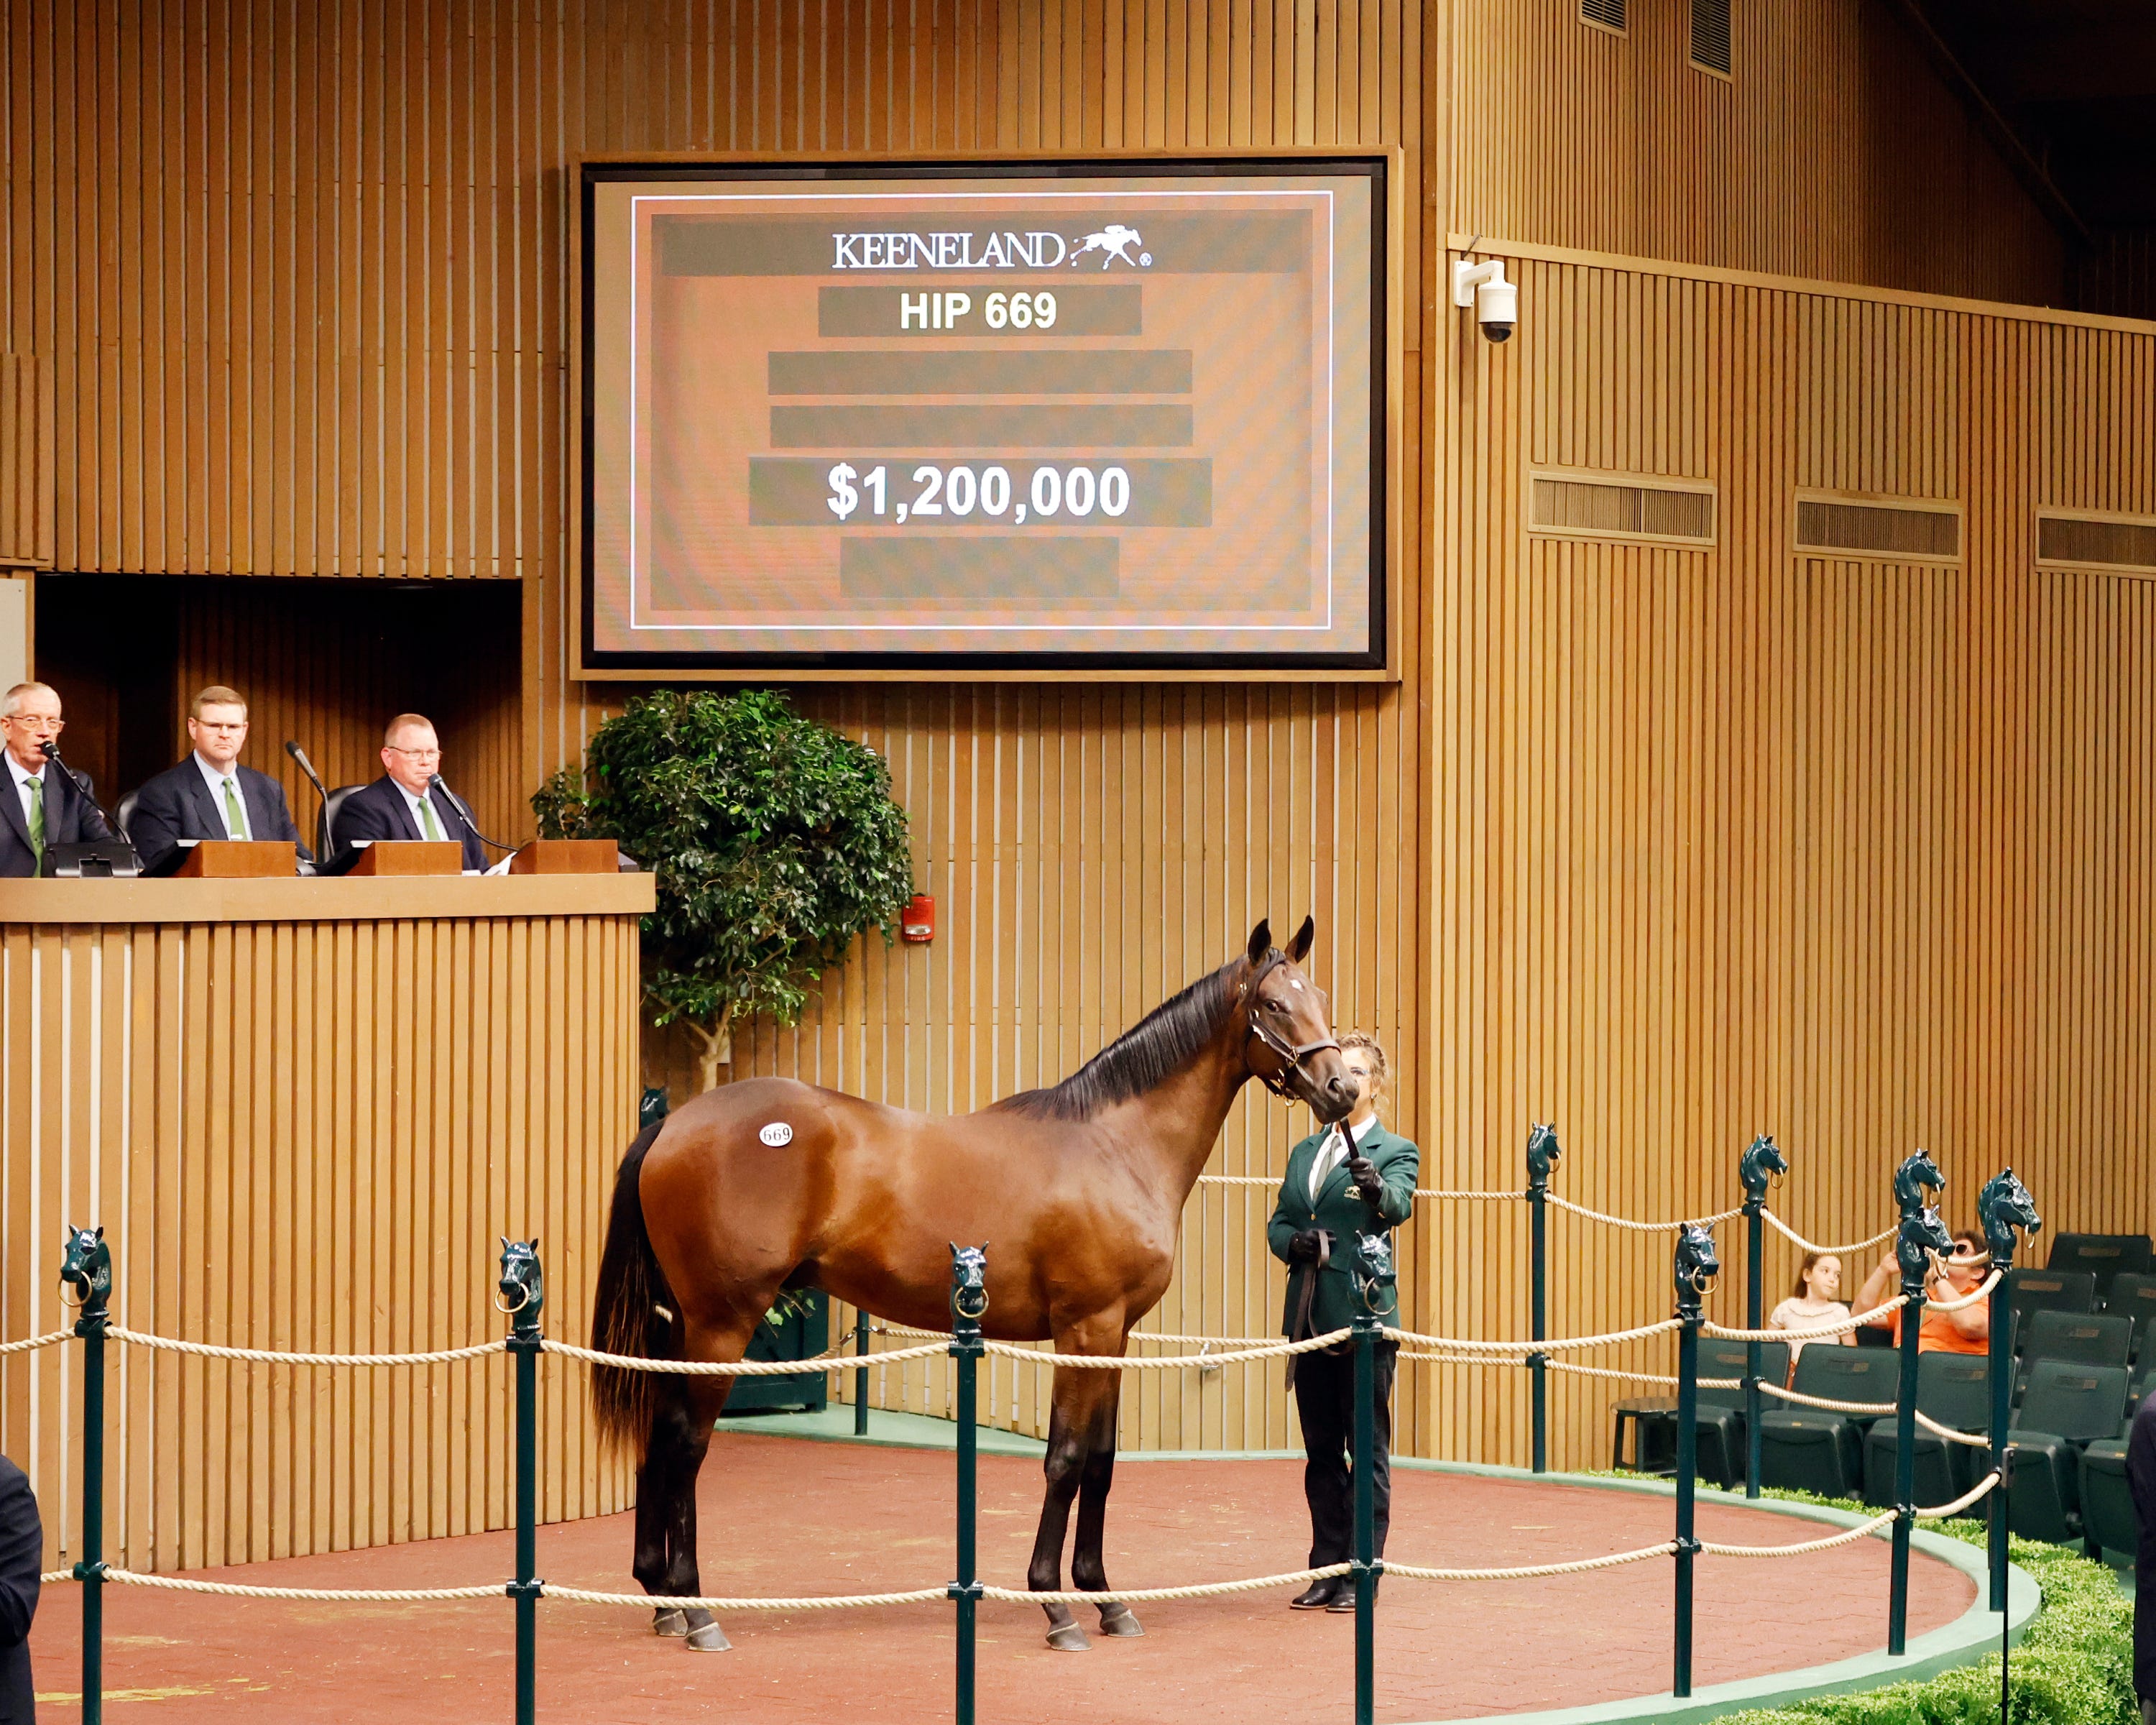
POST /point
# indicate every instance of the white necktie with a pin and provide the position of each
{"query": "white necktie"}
(1334, 1152)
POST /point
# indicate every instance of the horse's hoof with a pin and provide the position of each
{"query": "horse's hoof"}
(1069, 1638)
(667, 1620)
(707, 1637)
(1117, 1619)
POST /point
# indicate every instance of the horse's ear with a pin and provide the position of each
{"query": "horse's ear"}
(100, 1231)
(535, 1245)
(1261, 941)
(954, 1252)
(1298, 949)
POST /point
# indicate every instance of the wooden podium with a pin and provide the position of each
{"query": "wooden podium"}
(409, 856)
(567, 857)
(240, 860)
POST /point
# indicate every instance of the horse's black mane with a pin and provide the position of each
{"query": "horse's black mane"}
(1152, 1051)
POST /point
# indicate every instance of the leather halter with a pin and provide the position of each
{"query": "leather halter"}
(1293, 1054)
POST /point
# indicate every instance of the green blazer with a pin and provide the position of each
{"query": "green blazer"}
(1342, 1210)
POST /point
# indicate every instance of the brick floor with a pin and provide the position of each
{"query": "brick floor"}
(783, 1515)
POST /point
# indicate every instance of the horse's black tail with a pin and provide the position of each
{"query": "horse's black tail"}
(630, 1284)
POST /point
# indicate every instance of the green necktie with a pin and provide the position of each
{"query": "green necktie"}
(427, 819)
(235, 817)
(38, 819)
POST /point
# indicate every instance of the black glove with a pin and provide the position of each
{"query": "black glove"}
(1304, 1247)
(1364, 1173)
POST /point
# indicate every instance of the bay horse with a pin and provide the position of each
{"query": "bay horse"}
(1077, 1190)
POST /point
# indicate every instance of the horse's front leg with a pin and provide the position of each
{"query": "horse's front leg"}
(1088, 1569)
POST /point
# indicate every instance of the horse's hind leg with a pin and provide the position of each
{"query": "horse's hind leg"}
(654, 1510)
(1088, 1567)
(1073, 1423)
(702, 1398)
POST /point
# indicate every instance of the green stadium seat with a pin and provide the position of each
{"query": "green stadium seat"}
(1811, 1449)
(2134, 1296)
(1719, 1418)
(2087, 1338)
(2106, 1256)
(2029, 1291)
(2068, 1407)
(2108, 1521)
(1954, 1389)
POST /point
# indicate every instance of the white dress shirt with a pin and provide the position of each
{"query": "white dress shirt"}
(412, 801)
(1334, 1152)
(215, 780)
(26, 785)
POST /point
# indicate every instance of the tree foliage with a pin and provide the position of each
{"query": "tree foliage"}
(773, 841)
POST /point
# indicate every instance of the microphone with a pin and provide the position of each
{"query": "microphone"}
(435, 782)
(307, 767)
(82, 779)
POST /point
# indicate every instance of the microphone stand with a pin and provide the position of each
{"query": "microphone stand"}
(436, 782)
(82, 784)
(321, 790)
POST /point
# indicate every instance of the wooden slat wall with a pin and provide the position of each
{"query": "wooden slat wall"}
(1833, 150)
(1852, 852)
(304, 276)
(26, 460)
(307, 1135)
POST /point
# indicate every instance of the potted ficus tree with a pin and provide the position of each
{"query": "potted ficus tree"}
(772, 841)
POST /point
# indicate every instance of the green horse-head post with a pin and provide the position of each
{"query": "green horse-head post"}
(1696, 1267)
(523, 1285)
(1761, 1167)
(1544, 1152)
(1917, 1176)
(1374, 1275)
(1921, 1235)
(86, 1266)
(2002, 1207)
(969, 1282)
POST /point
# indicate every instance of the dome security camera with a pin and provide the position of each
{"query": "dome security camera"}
(1495, 300)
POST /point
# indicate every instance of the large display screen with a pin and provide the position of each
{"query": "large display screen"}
(1011, 414)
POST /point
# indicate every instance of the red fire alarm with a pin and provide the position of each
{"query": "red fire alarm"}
(917, 927)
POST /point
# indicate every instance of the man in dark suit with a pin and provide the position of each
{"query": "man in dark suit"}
(403, 803)
(1346, 1180)
(22, 1549)
(44, 805)
(210, 795)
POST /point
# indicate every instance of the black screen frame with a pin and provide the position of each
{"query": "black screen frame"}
(739, 666)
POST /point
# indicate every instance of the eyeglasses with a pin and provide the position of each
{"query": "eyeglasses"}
(38, 721)
(434, 754)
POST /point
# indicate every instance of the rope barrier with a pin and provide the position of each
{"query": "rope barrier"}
(1848, 1537)
(1966, 1498)
(1529, 1572)
(1820, 1401)
(1581, 1209)
(29, 1342)
(355, 1595)
(1144, 1595)
(741, 1367)
(1272, 1182)
(1809, 1332)
(50, 1576)
(1981, 1292)
(1556, 1345)
(1117, 1363)
(1566, 1365)
(1776, 1222)
(714, 1601)
(261, 1356)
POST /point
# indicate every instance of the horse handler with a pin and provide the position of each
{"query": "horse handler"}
(1343, 1181)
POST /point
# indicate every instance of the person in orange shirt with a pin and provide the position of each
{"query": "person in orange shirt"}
(1967, 1331)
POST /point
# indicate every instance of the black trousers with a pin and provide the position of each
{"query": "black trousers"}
(1325, 1402)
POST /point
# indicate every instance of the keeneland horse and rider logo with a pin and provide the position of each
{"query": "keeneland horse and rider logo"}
(1112, 242)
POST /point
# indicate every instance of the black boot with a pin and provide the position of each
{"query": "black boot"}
(1344, 1599)
(1318, 1596)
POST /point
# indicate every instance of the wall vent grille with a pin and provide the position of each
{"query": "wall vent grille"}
(2083, 542)
(1710, 35)
(1888, 531)
(1574, 507)
(1608, 13)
